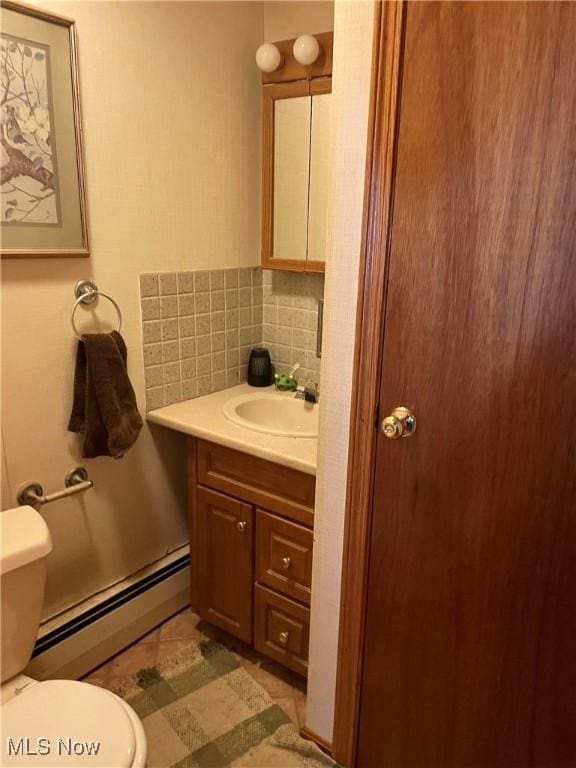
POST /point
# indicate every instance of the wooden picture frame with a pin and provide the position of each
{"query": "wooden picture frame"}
(43, 210)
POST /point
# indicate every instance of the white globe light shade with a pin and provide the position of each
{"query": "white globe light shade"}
(268, 57)
(306, 49)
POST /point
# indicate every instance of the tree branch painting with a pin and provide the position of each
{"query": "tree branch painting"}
(28, 179)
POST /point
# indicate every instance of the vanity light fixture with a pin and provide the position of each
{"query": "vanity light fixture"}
(306, 49)
(268, 57)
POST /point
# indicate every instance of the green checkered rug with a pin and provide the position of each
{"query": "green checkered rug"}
(201, 709)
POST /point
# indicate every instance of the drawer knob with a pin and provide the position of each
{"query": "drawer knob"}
(284, 637)
(286, 563)
(241, 525)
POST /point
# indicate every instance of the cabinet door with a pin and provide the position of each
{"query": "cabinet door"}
(286, 109)
(319, 175)
(225, 552)
(291, 178)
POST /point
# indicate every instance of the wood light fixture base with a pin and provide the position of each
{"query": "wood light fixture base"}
(292, 70)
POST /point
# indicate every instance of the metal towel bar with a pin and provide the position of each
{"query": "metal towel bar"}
(86, 292)
(76, 481)
(320, 328)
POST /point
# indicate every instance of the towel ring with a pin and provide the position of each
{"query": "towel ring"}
(86, 292)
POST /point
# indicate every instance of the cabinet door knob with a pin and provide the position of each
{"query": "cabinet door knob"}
(241, 525)
(284, 637)
(286, 563)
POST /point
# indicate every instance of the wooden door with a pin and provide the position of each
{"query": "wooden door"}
(470, 637)
(226, 552)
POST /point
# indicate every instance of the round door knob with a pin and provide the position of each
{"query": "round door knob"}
(241, 525)
(286, 563)
(400, 423)
(392, 427)
(284, 637)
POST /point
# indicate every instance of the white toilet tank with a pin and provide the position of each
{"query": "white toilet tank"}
(25, 544)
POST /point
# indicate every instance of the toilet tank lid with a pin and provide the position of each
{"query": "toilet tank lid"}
(24, 538)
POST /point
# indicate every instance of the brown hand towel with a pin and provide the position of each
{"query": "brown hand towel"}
(104, 408)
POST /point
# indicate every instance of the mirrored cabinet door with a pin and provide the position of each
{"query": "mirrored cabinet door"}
(291, 170)
(319, 173)
(295, 174)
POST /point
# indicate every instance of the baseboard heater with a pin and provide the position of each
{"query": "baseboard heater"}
(89, 638)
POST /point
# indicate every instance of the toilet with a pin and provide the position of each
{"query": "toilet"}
(55, 722)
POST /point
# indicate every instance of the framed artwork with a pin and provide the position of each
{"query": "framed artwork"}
(43, 205)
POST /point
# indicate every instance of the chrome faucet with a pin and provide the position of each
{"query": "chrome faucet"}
(308, 393)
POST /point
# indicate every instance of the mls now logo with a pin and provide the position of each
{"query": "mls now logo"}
(43, 746)
(26, 746)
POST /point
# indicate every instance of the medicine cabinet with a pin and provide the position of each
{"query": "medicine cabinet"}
(295, 174)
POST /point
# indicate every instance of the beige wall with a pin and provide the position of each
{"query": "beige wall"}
(353, 30)
(171, 107)
(292, 18)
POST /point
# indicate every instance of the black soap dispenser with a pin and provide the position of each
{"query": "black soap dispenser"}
(260, 373)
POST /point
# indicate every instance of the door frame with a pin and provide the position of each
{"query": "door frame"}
(373, 270)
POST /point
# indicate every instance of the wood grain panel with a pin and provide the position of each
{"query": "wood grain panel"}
(275, 615)
(469, 654)
(226, 553)
(293, 70)
(284, 555)
(386, 65)
(280, 489)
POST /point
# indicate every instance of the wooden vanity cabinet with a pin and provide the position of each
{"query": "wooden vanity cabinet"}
(251, 543)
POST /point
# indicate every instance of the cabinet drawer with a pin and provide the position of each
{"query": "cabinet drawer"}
(284, 555)
(281, 629)
(280, 489)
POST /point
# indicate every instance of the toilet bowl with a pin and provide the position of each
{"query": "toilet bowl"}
(69, 723)
(54, 722)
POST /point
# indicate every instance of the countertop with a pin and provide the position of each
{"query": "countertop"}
(203, 417)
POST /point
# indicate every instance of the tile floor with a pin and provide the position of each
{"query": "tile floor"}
(286, 688)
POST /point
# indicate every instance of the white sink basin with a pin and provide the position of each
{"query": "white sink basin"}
(274, 414)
